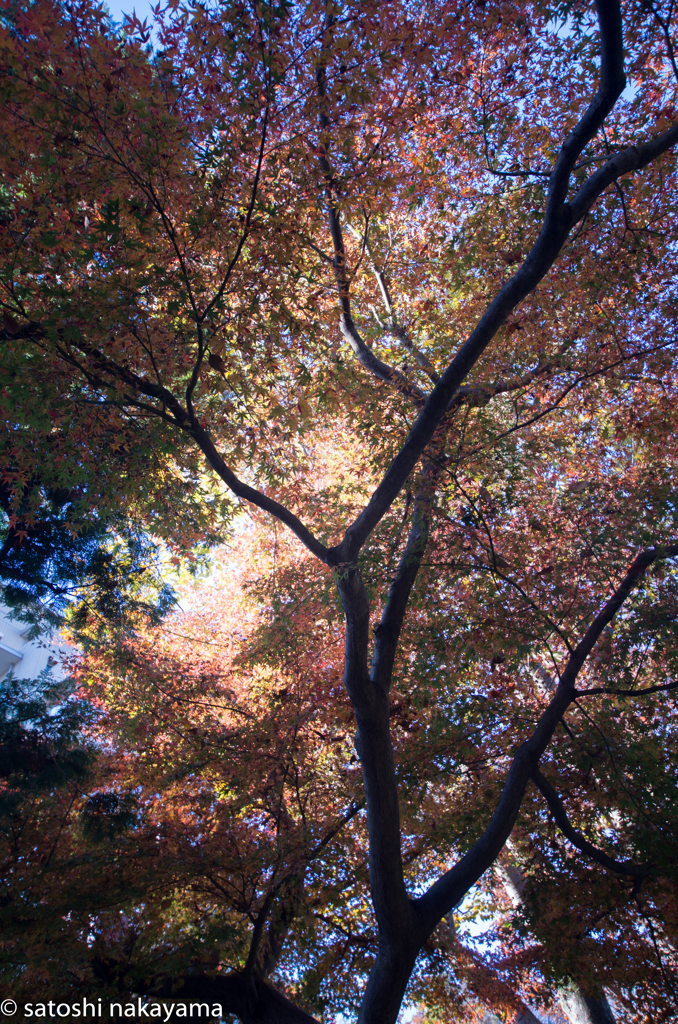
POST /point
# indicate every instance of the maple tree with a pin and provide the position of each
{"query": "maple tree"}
(224, 729)
(438, 243)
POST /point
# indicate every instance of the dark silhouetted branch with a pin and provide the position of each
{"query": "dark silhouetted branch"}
(561, 819)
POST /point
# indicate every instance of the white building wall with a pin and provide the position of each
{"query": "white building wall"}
(28, 658)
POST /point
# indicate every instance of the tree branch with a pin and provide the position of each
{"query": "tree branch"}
(373, 744)
(393, 325)
(190, 425)
(252, 1000)
(279, 923)
(387, 633)
(627, 693)
(612, 84)
(481, 394)
(255, 497)
(487, 984)
(257, 934)
(558, 221)
(446, 892)
(635, 158)
(366, 357)
(580, 841)
(244, 235)
(373, 741)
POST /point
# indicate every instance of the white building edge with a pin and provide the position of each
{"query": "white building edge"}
(27, 659)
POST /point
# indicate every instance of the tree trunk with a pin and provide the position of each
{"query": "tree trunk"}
(578, 1007)
(582, 1009)
(523, 1017)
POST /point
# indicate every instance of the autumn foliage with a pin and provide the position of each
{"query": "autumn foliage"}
(366, 314)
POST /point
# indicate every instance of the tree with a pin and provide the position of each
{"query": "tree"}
(52, 565)
(450, 230)
(44, 763)
(226, 727)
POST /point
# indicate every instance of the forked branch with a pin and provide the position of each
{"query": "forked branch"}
(366, 357)
(559, 219)
(392, 323)
(451, 887)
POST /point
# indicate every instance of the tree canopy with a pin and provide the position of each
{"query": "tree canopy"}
(384, 294)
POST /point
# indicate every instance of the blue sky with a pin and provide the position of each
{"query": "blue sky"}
(118, 8)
